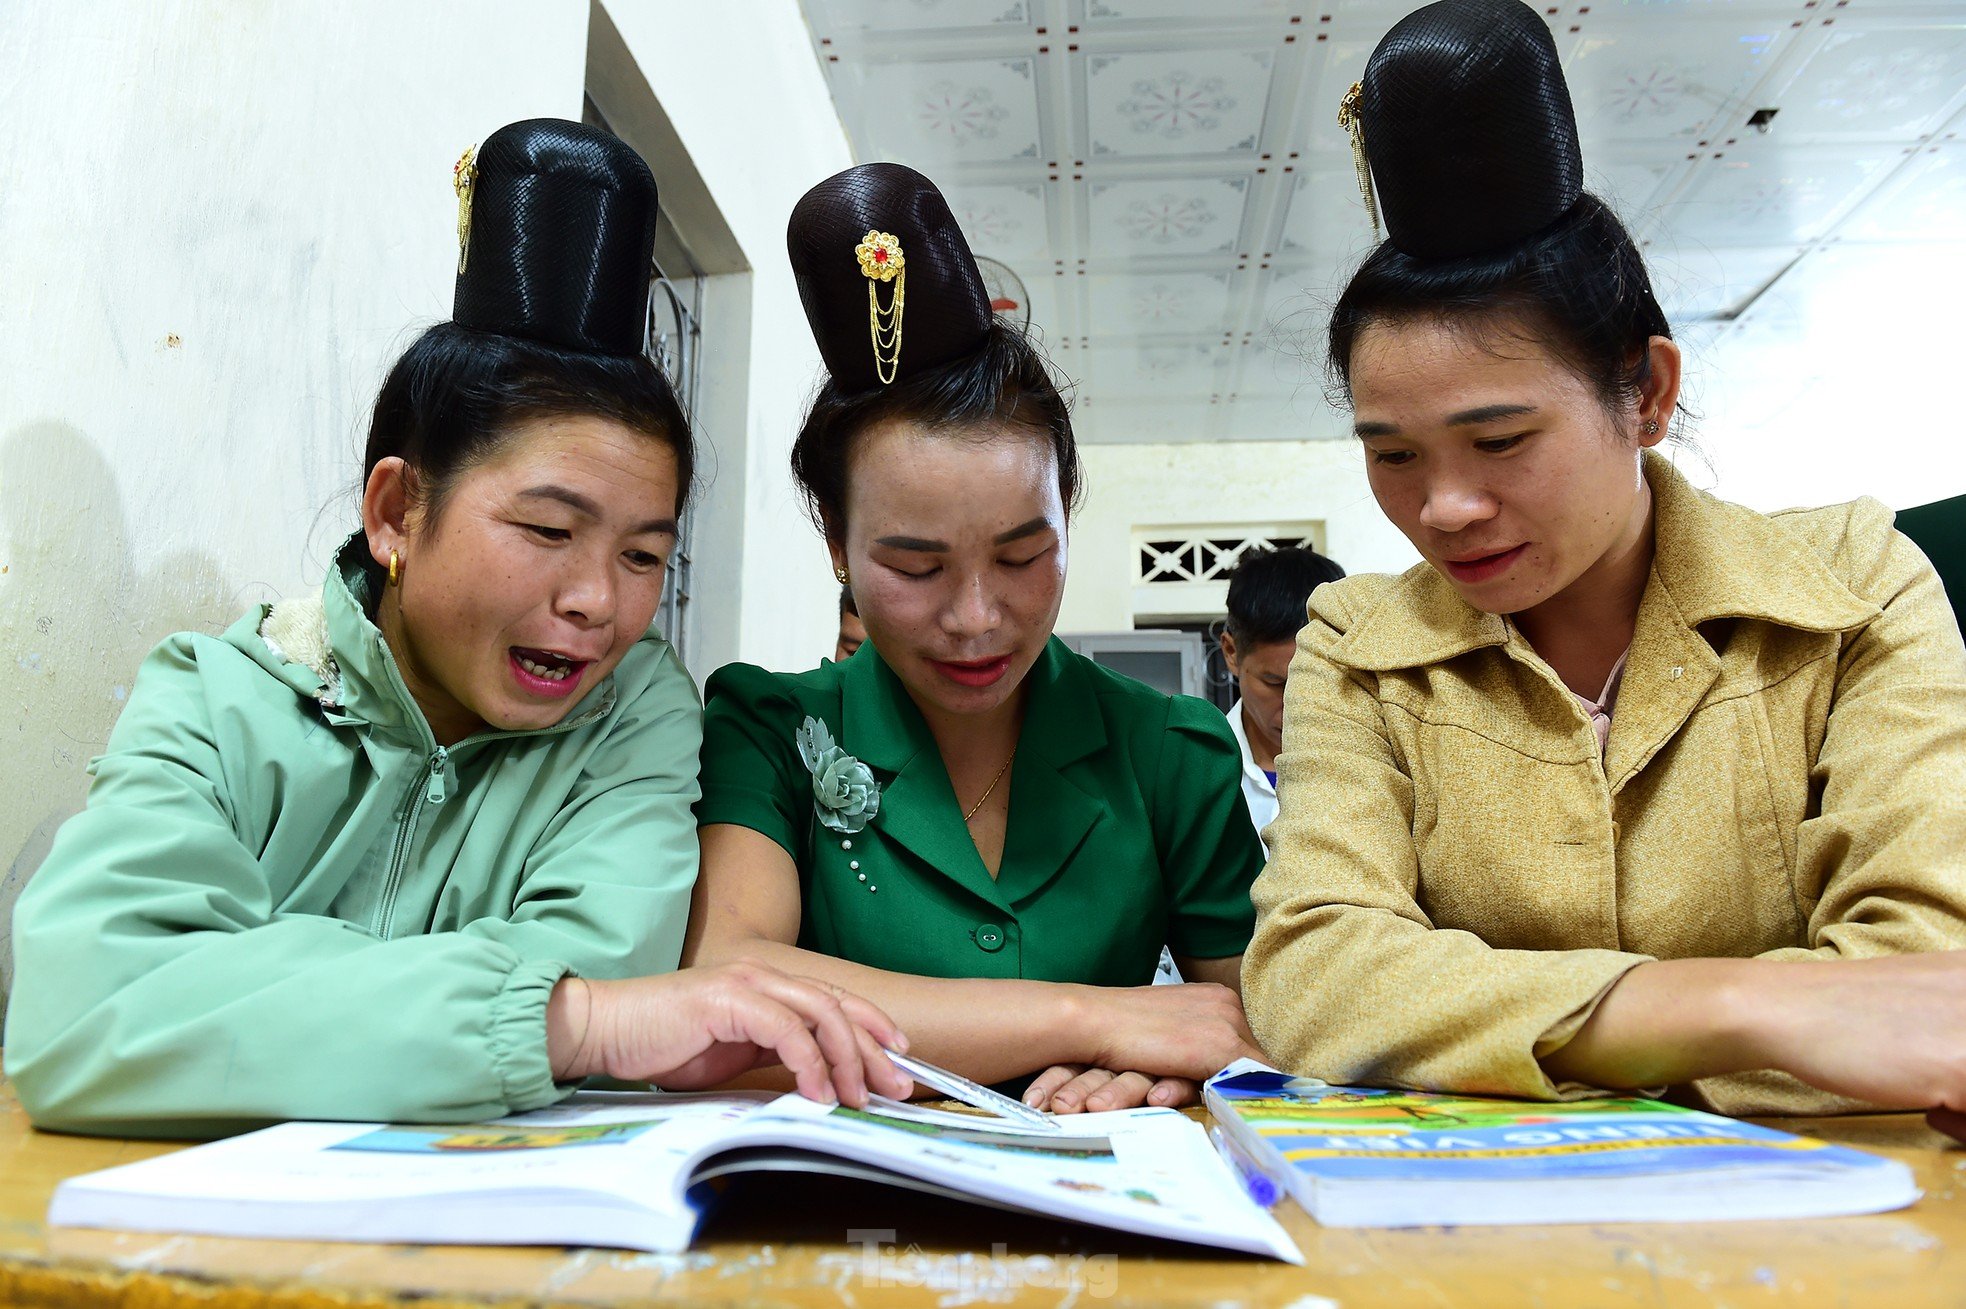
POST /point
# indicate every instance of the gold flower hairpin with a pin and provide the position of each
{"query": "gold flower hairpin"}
(881, 260)
(464, 180)
(1354, 126)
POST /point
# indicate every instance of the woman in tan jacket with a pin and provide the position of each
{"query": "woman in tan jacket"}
(1624, 786)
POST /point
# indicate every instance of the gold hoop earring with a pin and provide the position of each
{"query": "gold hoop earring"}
(395, 569)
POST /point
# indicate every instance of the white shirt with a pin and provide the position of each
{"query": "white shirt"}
(1258, 792)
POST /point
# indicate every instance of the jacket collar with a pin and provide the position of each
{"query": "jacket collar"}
(1713, 559)
(1050, 813)
(330, 649)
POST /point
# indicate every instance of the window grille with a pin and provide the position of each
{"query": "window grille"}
(1207, 554)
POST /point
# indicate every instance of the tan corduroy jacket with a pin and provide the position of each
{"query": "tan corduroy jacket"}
(1456, 879)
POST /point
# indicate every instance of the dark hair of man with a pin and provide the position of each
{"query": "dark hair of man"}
(1005, 381)
(1268, 592)
(847, 605)
(1578, 289)
(450, 402)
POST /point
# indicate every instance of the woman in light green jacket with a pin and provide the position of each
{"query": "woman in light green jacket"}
(422, 848)
(1624, 786)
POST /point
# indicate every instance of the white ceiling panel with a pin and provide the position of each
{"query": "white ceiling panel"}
(967, 111)
(1925, 200)
(1663, 81)
(916, 15)
(1179, 11)
(1107, 422)
(1125, 305)
(1186, 216)
(1881, 79)
(1005, 221)
(1167, 103)
(1698, 282)
(1767, 193)
(1168, 179)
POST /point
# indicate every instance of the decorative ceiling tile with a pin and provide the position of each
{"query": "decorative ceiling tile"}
(1157, 103)
(1327, 220)
(1186, 216)
(1632, 180)
(1665, 81)
(1106, 422)
(1923, 201)
(1177, 10)
(1695, 283)
(958, 111)
(1005, 222)
(1165, 304)
(1188, 369)
(915, 15)
(1900, 80)
(1297, 304)
(1344, 64)
(1770, 195)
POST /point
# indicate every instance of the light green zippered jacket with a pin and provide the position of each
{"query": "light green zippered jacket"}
(284, 900)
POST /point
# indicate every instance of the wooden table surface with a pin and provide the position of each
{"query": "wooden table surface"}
(781, 1240)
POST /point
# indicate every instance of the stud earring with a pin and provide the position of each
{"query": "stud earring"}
(843, 577)
(1651, 428)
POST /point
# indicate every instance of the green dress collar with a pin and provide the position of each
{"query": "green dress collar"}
(1050, 813)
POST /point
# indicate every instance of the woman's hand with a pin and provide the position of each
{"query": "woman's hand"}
(1070, 1088)
(1155, 1045)
(703, 1026)
(1889, 1031)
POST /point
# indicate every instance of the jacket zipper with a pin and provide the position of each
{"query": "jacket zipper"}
(430, 786)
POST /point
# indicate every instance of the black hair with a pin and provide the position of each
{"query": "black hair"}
(451, 400)
(1006, 380)
(847, 603)
(1578, 288)
(1268, 591)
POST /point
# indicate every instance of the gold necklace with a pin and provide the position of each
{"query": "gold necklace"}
(991, 787)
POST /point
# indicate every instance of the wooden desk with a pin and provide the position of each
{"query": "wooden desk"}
(784, 1241)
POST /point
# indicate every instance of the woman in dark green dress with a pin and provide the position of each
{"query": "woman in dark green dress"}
(982, 832)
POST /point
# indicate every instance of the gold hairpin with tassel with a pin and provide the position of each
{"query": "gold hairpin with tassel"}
(464, 180)
(881, 260)
(1354, 126)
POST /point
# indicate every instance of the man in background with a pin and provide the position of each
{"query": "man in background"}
(1268, 595)
(852, 631)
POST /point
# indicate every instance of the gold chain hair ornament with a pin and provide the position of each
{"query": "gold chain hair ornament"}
(1348, 119)
(881, 260)
(464, 180)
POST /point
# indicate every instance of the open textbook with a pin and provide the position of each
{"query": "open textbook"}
(1354, 1157)
(627, 1169)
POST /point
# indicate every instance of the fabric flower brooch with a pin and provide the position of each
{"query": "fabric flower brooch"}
(844, 792)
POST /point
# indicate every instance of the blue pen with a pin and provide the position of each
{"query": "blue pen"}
(1261, 1188)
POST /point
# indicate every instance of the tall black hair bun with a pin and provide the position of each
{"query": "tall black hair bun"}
(944, 312)
(1468, 128)
(557, 235)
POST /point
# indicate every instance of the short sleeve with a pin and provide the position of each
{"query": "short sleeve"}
(752, 776)
(1209, 851)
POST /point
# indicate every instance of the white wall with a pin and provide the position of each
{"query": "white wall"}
(754, 114)
(1230, 482)
(220, 223)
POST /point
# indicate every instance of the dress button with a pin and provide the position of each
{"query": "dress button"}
(989, 938)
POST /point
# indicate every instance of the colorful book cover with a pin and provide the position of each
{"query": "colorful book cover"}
(1353, 1132)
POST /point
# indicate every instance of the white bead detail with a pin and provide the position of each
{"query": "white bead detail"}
(846, 845)
(872, 889)
(853, 864)
(863, 877)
